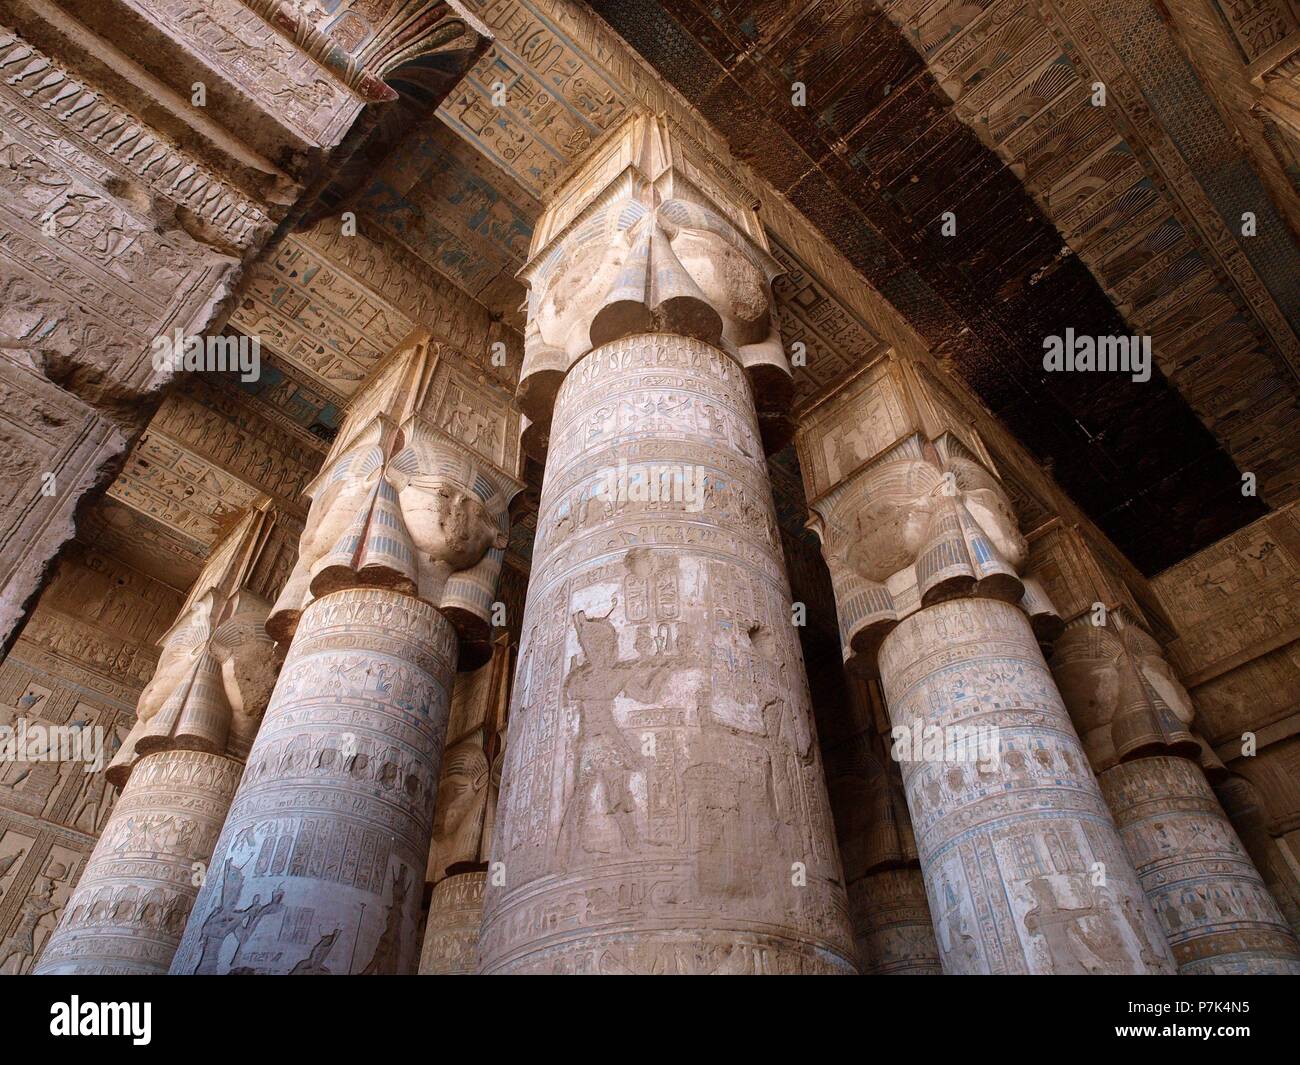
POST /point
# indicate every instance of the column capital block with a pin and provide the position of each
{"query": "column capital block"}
(415, 493)
(653, 233)
(217, 665)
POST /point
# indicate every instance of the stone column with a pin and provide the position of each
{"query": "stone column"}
(891, 918)
(318, 868)
(452, 927)
(663, 808)
(177, 769)
(1023, 866)
(466, 811)
(1135, 719)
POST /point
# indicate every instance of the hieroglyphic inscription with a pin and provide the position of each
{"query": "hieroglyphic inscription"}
(1216, 912)
(128, 911)
(319, 865)
(1009, 846)
(662, 774)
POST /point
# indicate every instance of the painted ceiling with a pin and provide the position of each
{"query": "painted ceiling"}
(1115, 219)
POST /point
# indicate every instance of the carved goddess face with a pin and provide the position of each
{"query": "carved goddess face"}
(448, 524)
(732, 284)
(579, 283)
(1120, 691)
(904, 504)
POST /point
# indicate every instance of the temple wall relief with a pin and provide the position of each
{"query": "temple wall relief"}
(149, 149)
(77, 667)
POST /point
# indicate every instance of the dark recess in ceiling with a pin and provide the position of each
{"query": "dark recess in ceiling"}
(873, 160)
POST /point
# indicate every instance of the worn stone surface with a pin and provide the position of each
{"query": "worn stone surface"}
(891, 918)
(395, 574)
(925, 554)
(1035, 823)
(1216, 912)
(203, 703)
(662, 761)
(452, 926)
(661, 749)
(1135, 719)
(465, 814)
(318, 866)
(429, 215)
(129, 909)
(79, 663)
(1137, 724)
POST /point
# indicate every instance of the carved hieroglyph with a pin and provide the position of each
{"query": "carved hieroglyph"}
(1135, 719)
(891, 917)
(663, 808)
(320, 866)
(128, 910)
(54, 448)
(178, 768)
(452, 927)
(1217, 914)
(1023, 865)
(1032, 822)
(663, 793)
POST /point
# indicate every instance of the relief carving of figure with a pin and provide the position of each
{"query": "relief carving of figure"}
(605, 755)
(391, 513)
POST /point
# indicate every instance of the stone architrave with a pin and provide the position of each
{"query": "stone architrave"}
(1135, 719)
(319, 866)
(465, 814)
(178, 769)
(1023, 865)
(663, 808)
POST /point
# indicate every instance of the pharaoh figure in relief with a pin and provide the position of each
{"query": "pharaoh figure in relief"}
(663, 807)
(319, 868)
(177, 769)
(925, 556)
(1136, 719)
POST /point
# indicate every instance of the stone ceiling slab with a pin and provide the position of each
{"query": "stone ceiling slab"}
(878, 154)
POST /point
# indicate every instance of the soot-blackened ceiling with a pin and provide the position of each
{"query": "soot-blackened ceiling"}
(874, 159)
